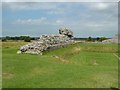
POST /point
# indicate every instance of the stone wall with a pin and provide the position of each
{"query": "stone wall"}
(49, 42)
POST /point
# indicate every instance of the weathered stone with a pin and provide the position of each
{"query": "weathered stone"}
(65, 31)
(49, 42)
(112, 40)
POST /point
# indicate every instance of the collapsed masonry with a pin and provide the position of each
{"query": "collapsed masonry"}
(49, 42)
(114, 40)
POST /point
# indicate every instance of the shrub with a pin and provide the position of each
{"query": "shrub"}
(4, 39)
(27, 39)
(102, 38)
(90, 39)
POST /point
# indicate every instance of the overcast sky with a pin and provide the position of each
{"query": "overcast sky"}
(85, 19)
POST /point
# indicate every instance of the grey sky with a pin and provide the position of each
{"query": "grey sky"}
(84, 19)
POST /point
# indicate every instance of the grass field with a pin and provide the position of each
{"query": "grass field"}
(76, 66)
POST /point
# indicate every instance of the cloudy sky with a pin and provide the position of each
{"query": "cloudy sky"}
(83, 18)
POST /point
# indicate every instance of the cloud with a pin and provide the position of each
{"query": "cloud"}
(39, 21)
(59, 21)
(102, 25)
(100, 6)
(57, 11)
(63, 8)
(83, 18)
(104, 10)
(94, 25)
(0, 19)
(103, 7)
(60, 1)
(29, 6)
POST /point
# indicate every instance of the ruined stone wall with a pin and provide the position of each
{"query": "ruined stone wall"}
(49, 42)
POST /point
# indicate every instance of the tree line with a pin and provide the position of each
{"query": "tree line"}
(28, 38)
(100, 39)
(91, 39)
(25, 38)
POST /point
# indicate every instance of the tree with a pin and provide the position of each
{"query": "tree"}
(4, 39)
(102, 38)
(23, 37)
(97, 38)
(8, 38)
(89, 38)
(27, 39)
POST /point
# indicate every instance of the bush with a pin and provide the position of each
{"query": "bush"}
(27, 39)
(4, 39)
(90, 39)
(102, 38)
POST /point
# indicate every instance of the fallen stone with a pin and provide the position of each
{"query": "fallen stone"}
(49, 42)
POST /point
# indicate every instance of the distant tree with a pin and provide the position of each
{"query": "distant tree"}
(27, 39)
(7, 38)
(12, 38)
(102, 38)
(32, 38)
(89, 38)
(23, 37)
(97, 38)
(16, 38)
(4, 39)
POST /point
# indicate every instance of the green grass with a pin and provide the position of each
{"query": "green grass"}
(0, 69)
(77, 66)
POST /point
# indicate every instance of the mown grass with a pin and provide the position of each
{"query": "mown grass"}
(13, 44)
(0, 65)
(76, 66)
